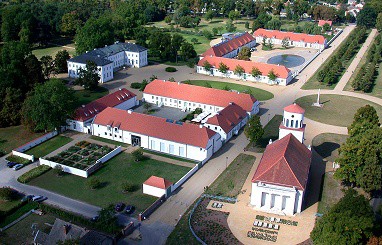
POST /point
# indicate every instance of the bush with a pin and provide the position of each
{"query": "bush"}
(33, 173)
(8, 194)
(2, 153)
(93, 183)
(138, 154)
(128, 187)
(13, 158)
(58, 171)
(136, 85)
(171, 69)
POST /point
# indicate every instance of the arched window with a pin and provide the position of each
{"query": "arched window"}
(296, 124)
(291, 123)
(301, 124)
(287, 123)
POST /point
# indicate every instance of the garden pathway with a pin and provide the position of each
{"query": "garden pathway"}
(76, 138)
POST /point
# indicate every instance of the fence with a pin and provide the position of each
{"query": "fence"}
(145, 214)
(184, 178)
(189, 222)
(20, 150)
(88, 171)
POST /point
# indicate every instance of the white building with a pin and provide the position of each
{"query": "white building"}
(301, 40)
(109, 59)
(284, 75)
(156, 186)
(176, 138)
(227, 122)
(230, 47)
(293, 122)
(84, 115)
(280, 181)
(189, 97)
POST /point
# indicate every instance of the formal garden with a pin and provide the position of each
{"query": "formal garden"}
(119, 180)
(337, 110)
(259, 94)
(82, 155)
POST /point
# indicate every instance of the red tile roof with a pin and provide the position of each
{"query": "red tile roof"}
(294, 108)
(111, 100)
(226, 47)
(228, 118)
(158, 182)
(291, 35)
(280, 71)
(185, 133)
(323, 22)
(198, 94)
(285, 162)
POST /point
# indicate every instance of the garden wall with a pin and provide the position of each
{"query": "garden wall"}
(184, 178)
(145, 214)
(65, 168)
(98, 164)
(23, 155)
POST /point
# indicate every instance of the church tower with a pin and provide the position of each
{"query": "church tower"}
(293, 122)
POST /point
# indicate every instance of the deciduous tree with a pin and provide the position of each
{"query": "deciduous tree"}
(244, 54)
(60, 61)
(254, 130)
(223, 68)
(89, 76)
(239, 70)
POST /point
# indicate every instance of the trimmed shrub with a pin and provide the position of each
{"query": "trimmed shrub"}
(93, 183)
(170, 69)
(33, 173)
(136, 85)
(138, 154)
(128, 187)
(13, 158)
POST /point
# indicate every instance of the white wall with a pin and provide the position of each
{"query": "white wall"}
(128, 104)
(298, 134)
(65, 168)
(23, 155)
(105, 72)
(300, 44)
(37, 141)
(263, 195)
(153, 191)
(184, 178)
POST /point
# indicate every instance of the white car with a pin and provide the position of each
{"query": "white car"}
(18, 166)
(39, 198)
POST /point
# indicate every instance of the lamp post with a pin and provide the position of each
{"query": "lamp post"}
(226, 162)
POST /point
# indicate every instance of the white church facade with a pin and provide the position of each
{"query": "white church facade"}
(280, 181)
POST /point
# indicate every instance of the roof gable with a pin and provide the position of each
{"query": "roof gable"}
(285, 162)
(228, 118)
(158, 182)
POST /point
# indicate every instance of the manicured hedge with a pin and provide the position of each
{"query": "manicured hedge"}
(18, 159)
(171, 69)
(33, 173)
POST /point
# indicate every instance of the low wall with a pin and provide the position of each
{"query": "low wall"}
(23, 155)
(65, 168)
(184, 178)
(98, 164)
(35, 142)
(145, 214)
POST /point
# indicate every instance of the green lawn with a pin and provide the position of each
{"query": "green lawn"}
(202, 45)
(112, 142)
(259, 94)
(338, 110)
(48, 146)
(8, 205)
(331, 193)
(21, 233)
(327, 145)
(52, 51)
(271, 131)
(85, 96)
(170, 156)
(119, 169)
(18, 213)
(230, 182)
(13, 137)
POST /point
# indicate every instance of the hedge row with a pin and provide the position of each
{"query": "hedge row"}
(33, 173)
(13, 158)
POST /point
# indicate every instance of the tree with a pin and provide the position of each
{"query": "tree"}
(273, 24)
(138, 154)
(49, 106)
(147, 106)
(93, 183)
(60, 61)
(207, 66)
(127, 187)
(272, 75)
(34, 71)
(168, 19)
(233, 15)
(254, 130)
(89, 76)
(367, 17)
(187, 51)
(7, 193)
(223, 68)
(378, 24)
(194, 40)
(70, 22)
(210, 14)
(207, 34)
(255, 72)
(239, 70)
(11, 107)
(58, 170)
(285, 42)
(47, 66)
(230, 27)
(326, 27)
(244, 54)
(366, 114)
(350, 221)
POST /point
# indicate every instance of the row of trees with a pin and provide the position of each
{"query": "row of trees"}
(365, 79)
(332, 71)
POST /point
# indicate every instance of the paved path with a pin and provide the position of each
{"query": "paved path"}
(350, 71)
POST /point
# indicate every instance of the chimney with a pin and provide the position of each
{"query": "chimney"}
(309, 148)
(119, 89)
(129, 111)
(83, 106)
(98, 55)
(95, 49)
(231, 103)
(164, 80)
(87, 51)
(105, 45)
(270, 141)
(178, 83)
(200, 126)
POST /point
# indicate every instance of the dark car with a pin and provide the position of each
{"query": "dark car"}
(129, 209)
(27, 198)
(119, 207)
(11, 164)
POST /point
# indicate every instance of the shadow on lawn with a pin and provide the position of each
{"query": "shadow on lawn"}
(326, 149)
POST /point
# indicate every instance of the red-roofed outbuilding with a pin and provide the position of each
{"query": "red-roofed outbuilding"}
(156, 186)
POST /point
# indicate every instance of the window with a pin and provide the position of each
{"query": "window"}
(287, 123)
(152, 97)
(181, 151)
(291, 123)
(110, 134)
(171, 149)
(296, 124)
(120, 136)
(105, 133)
(216, 128)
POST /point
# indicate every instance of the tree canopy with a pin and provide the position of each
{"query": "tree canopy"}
(89, 76)
(254, 130)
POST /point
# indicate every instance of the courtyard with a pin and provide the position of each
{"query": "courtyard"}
(163, 112)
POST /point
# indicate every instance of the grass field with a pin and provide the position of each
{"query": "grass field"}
(8, 205)
(327, 145)
(18, 213)
(21, 233)
(230, 182)
(313, 82)
(338, 110)
(48, 146)
(271, 131)
(52, 50)
(259, 94)
(331, 193)
(13, 137)
(119, 169)
(85, 96)
(201, 46)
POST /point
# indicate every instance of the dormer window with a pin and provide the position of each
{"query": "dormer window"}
(108, 128)
(116, 129)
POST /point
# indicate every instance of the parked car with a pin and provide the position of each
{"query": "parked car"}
(39, 198)
(129, 209)
(27, 198)
(18, 166)
(119, 207)
(11, 164)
